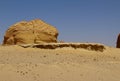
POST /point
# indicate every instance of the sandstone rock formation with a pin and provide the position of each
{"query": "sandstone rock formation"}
(118, 42)
(32, 32)
(93, 47)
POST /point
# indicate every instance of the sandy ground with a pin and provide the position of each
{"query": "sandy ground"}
(65, 64)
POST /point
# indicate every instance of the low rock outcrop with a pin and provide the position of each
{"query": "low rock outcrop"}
(32, 32)
(118, 42)
(87, 46)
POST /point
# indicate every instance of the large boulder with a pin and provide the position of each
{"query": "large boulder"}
(118, 42)
(32, 32)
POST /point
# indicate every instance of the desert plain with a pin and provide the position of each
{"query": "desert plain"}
(61, 64)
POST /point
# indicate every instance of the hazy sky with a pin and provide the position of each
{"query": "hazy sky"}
(77, 20)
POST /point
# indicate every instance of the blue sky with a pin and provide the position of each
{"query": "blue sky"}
(77, 20)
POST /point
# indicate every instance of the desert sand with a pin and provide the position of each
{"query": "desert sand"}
(61, 64)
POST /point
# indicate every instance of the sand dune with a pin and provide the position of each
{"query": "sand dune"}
(61, 64)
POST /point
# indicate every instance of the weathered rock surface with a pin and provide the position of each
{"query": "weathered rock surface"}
(32, 32)
(118, 42)
(87, 46)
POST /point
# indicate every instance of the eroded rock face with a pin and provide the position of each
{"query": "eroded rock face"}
(32, 32)
(91, 47)
(118, 42)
